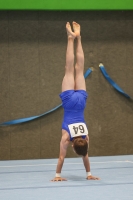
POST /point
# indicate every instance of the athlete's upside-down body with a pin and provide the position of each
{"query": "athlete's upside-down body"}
(74, 98)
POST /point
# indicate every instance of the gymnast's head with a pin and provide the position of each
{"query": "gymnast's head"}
(80, 146)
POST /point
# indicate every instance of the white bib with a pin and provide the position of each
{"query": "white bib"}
(78, 129)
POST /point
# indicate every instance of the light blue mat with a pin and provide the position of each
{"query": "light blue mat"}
(30, 179)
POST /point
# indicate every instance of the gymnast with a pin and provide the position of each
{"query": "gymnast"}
(74, 98)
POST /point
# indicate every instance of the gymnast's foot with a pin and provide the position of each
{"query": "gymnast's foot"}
(76, 28)
(69, 31)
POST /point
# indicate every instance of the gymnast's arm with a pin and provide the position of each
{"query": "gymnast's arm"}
(87, 167)
(87, 164)
(63, 149)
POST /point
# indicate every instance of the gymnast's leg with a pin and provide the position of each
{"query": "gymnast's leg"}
(68, 80)
(79, 67)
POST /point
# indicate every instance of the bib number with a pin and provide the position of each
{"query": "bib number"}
(78, 129)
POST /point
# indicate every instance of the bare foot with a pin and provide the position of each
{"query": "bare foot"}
(76, 28)
(69, 31)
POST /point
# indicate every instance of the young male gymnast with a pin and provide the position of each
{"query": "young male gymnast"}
(74, 98)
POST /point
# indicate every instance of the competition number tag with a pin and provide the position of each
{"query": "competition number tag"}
(78, 129)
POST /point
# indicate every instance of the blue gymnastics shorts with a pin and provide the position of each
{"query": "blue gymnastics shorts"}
(74, 99)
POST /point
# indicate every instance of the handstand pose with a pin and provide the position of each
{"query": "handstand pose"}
(74, 98)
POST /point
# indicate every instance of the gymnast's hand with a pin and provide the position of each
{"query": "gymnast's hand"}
(58, 179)
(92, 178)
